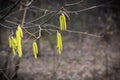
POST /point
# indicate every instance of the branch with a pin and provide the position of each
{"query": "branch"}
(2, 25)
(51, 17)
(70, 31)
(17, 11)
(86, 9)
(10, 10)
(25, 11)
(37, 18)
(67, 5)
(24, 15)
(89, 8)
(78, 11)
(5, 75)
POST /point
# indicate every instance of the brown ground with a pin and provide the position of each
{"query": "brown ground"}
(87, 59)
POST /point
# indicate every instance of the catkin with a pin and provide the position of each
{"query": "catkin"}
(20, 31)
(62, 22)
(19, 36)
(18, 41)
(35, 49)
(13, 45)
(59, 42)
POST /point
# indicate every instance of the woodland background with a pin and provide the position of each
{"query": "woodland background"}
(91, 45)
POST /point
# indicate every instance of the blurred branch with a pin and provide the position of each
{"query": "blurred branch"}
(55, 12)
(37, 18)
(11, 22)
(24, 15)
(42, 9)
(17, 11)
(86, 9)
(71, 31)
(2, 25)
(89, 8)
(51, 17)
(72, 4)
(27, 4)
(17, 2)
(78, 32)
(29, 33)
(57, 28)
(5, 75)
(25, 11)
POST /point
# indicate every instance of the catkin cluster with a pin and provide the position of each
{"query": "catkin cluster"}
(63, 27)
(16, 46)
(15, 42)
(12, 44)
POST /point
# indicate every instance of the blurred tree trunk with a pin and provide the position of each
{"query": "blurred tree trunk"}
(3, 37)
(0, 38)
(3, 32)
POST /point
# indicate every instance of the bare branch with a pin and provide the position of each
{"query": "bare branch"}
(24, 15)
(86, 9)
(5, 75)
(72, 4)
(37, 18)
(71, 31)
(17, 2)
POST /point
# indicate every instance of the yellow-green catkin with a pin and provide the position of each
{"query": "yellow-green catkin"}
(19, 36)
(35, 49)
(12, 44)
(15, 43)
(18, 41)
(59, 43)
(62, 22)
(20, 31)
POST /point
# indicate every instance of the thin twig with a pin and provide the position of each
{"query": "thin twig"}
(89, 8)
(29, 33)
(17, 11)
(27, 4)
(24, 15)
(71, 31)
(51, 17)
(11, 22)
(6, 14)
(2, 25)
(37, 18)
(57, 28)
(5, 75)
(86, 9)
(41, 9)
(72, 4)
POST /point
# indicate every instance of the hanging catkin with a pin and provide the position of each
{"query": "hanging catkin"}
(19, 36)
(62, 19)
(35, 49)
(59, 42)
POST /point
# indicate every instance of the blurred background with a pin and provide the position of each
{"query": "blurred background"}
(91, 43)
